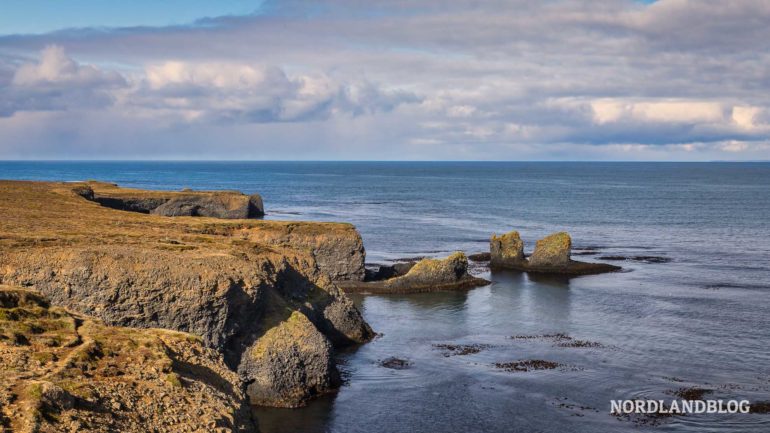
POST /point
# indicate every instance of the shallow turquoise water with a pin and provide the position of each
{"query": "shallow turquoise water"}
(700, 320)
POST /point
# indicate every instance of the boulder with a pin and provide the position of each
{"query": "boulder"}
(426, 275)
(506, 250)
(384, 272)
(552, 251)
(289, 364)
(434, 272)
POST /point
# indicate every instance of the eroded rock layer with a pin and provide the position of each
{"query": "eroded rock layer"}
(215, 204)
(227, 281)
(65, 372)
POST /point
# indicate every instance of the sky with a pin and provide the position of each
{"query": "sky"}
(385, 80)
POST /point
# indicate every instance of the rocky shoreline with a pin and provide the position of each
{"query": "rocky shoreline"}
(221, 304)
(258, 293)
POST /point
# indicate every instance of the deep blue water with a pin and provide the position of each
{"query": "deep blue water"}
(700, 320)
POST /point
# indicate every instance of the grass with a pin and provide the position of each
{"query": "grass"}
(50, 214)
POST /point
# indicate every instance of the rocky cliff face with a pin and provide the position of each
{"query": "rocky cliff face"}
(215, 204)
(65, 372)
(229, 282)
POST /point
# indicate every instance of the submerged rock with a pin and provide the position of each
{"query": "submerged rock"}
(551, 256)
(642, 259)
(426, 275)
(527, 365)
(480, 257)
(395, 363)
(288, 365)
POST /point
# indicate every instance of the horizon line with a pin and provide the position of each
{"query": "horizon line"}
(393, 160)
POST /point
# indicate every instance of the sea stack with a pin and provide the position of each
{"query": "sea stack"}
(552, 251)
(506, 250)
(551, 256)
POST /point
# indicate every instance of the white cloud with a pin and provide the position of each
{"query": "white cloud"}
(56, 68)
(657, 111)
(502, 78)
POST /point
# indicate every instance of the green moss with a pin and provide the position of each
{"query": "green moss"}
(174, 380)
(44, 357)
(35, 391)
(8, 315)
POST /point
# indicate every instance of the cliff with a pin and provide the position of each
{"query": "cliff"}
(228, 281)
(216, 204)
(66, 372)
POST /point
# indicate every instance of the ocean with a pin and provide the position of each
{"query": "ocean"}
(693, 310)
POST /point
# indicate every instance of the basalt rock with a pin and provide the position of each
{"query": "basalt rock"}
(222, 280)
(551, 256)
(288, 365)
(426, 275)
(551, 251)
(75, 374)
(506, 250)
(384, 272)
(214, 204)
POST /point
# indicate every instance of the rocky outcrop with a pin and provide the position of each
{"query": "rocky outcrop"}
(289, 364)
(214, 204)
(506, 250)
(65, 372)
(551, 256)
(222, 280)
(380, 272)
(552, 251)
(426, 275)
(337, 248)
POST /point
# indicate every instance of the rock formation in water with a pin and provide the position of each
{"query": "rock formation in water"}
(506, 250)
(551, 251)
(215, 204)
(228, 281)
(551, 255)
(380, 272)
(65, 372)
(427, 275)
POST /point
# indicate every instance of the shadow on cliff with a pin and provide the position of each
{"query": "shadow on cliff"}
(251, 317)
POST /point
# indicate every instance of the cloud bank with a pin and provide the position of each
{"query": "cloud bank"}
(338, 79)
